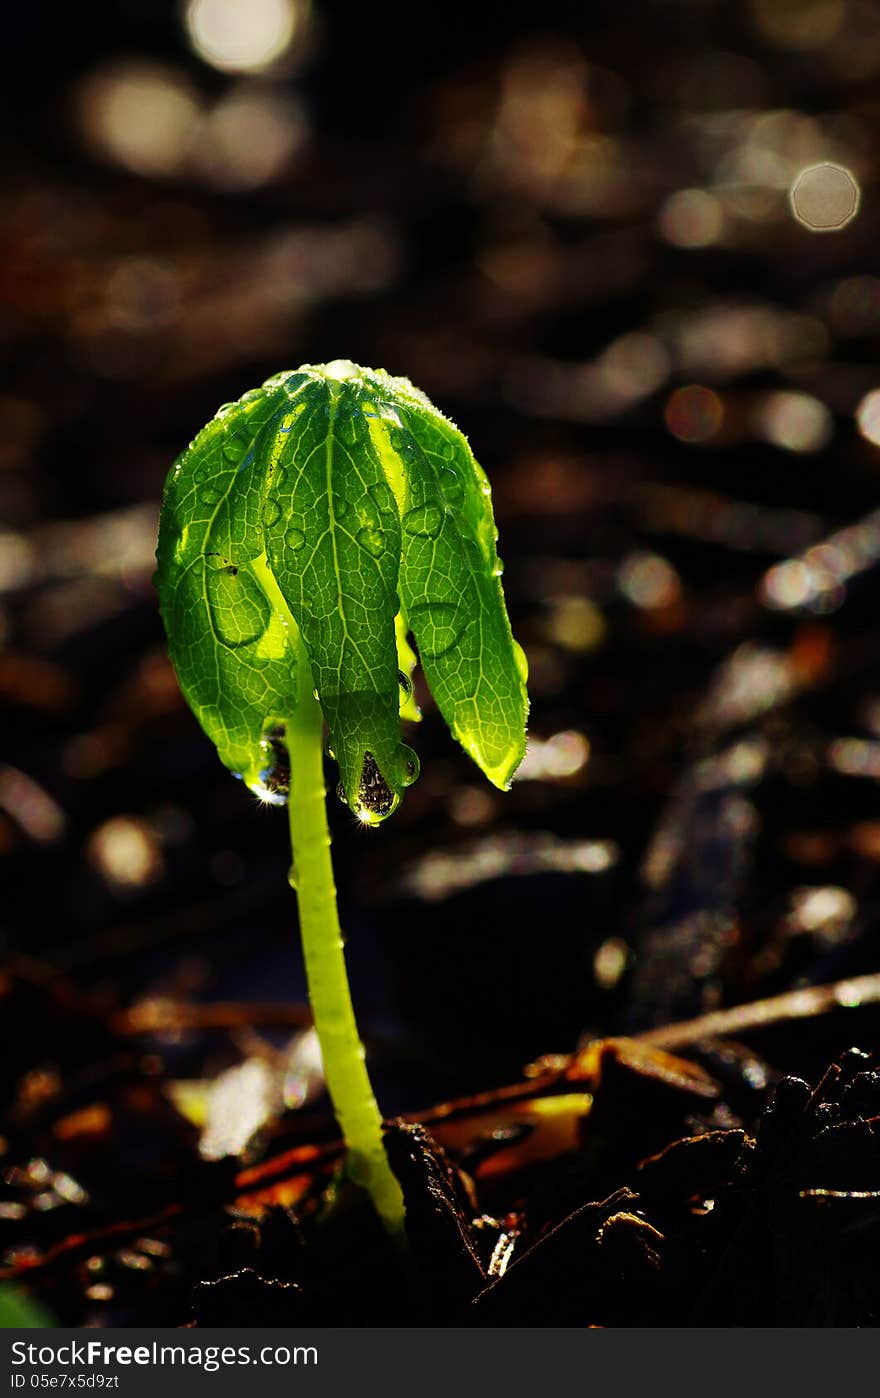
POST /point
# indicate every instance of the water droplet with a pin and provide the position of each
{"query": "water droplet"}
(341, 507)
(405, 684)
(347, 428)
(294, 539)
(401, 441)
(341, 369)
(411, 764)
(381, 493)
(373, 540)
(275, 776)
(497, 567)
(240, 612)
(251, 396)
(340, 792)
(224, 409)
(292, 877)
(330, 750)
(235, 447)
(367, 513)
(202, 472)
(475, 555)
(521, 661)
(436, 627)
(451, 487)
(271, 512)
(375, 799)
(424, 520)
(210, 495)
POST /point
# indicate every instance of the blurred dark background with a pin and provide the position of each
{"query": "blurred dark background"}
(633, 251)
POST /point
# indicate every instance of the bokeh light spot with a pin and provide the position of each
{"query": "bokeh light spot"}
(610, 962)
(126, 852)
(868, 416)
(575, 623)
(825, 197)
(633, 366)
(694, 413)
(788, 585)
(691, 218)
(138, 115)
(562, 755)
(794, 421)
(648, 581)
(799, 24)
(248, 138)
(242, 38)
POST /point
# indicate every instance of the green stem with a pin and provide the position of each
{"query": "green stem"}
(345, 1067)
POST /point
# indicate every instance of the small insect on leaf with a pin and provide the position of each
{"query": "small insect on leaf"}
(324, 519)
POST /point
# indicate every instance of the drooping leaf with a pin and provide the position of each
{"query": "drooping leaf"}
(231, 648)
(333, 510)
(450, 578)
(334, 550)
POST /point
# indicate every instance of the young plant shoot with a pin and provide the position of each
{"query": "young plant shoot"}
(306, 533)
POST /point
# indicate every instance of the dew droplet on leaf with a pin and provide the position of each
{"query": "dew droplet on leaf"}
(436, 626)
(367, 513)
(411, 764)
(274, 784)
(424, 520)
(372, 540)
(381, 494)
(475, 554)
(375, 799)
(240, 612)
(451, 487)
(401, 441)
(294, 539)
(521, 661)
(347, 430)
(235, 447)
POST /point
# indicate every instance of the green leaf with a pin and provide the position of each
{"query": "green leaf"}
(450, 577)
(321, 517)
(230, 646)
(334, 550)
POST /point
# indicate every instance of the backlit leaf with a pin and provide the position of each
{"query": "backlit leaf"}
(336, 509)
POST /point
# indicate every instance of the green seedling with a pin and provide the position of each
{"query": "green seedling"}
(306, 533)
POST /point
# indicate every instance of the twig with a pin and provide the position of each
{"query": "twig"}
(759, 1014)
